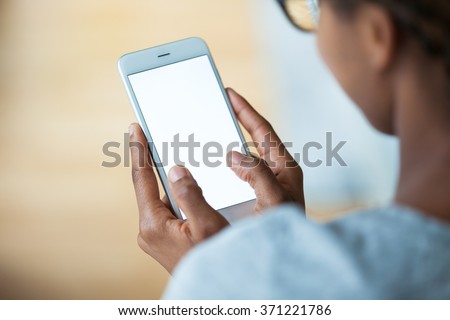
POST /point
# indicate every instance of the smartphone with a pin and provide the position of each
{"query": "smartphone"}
(184, 111)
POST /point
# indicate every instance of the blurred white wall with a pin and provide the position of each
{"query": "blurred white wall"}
(306, 103)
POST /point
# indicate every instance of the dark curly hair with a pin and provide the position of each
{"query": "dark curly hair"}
(428, 21)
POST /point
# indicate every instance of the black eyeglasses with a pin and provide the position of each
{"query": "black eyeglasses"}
(303, 14)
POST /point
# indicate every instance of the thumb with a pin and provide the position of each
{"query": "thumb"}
(259, 176)
(204, 220)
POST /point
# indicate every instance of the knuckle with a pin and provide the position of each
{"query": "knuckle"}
(135, 174)
(138, 174)
(207, 230)
(243, 172)
(263, 128)
(204, 233)
(146, 231)
(187, 191)
(268, 126)
(145, 245)
(141, 242)
(253, 169)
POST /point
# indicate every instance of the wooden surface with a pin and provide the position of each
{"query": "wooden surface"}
(68, 225)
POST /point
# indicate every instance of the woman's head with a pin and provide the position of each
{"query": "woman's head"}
(369, 44)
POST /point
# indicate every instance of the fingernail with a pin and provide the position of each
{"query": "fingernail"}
(176, 173)
(130, 130)
(233, 93)
(228, 158)
(236, 158)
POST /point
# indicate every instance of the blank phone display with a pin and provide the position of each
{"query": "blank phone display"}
(189, 122)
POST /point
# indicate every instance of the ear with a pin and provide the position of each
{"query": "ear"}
(379, 35)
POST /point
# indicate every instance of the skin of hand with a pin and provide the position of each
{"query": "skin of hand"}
(275, 177)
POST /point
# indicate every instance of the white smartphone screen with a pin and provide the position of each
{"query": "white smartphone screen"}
(191, 124)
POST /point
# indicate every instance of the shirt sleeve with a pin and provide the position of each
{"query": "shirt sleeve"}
(235, 263)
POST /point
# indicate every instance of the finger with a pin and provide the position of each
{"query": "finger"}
(144, 179)
(188, 196)
(259, 176)
(268, 144)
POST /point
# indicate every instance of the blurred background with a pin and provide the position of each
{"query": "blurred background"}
(68, 225)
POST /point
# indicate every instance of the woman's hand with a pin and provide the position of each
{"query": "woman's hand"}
(276, 177)
(161, 234)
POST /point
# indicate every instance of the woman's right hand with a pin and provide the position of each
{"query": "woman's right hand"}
(275, 176)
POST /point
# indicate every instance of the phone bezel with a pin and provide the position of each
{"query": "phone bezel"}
(161, 56)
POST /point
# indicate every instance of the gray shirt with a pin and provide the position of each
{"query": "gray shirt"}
(389, 253)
